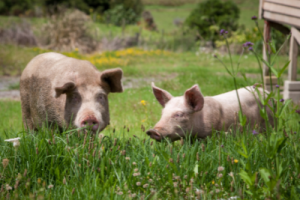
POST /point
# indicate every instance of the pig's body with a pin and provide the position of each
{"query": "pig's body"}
(68, 92)
(219, 112)
(197, 115)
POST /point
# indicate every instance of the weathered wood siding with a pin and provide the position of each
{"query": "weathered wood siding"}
(281, 11)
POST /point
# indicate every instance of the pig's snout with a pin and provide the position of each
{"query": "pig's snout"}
(90, 122)
(154, 134)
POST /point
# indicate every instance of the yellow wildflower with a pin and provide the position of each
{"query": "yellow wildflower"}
(236, 161)
(213, 182)
(143, 102)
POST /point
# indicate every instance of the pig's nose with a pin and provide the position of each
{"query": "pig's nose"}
(90, 122)
(154, 134)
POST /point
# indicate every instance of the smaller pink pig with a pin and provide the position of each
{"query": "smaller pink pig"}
(197, 115)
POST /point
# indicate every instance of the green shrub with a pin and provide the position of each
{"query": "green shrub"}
(211, 16)
(127, 11)
(244, 34)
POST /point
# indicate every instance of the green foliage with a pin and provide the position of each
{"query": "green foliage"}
(124, 12)
(98, 6)
(211, 16)
(244, 34)
(16, 7)
(268, 180)
(116, 11)
(241, 36)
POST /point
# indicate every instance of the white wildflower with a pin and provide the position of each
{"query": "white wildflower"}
(15, 141)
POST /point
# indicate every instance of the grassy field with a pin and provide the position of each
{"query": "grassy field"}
(126, 164)
(164, 15)
(174, 72)
(123, 162)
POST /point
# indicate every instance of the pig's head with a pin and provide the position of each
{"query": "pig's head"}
(177, 114)
(86, 98)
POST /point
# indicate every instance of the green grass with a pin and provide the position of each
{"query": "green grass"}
(83, 167)
(11, 118)
(119, 166)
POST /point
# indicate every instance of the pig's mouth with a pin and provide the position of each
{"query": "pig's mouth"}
(154, 135)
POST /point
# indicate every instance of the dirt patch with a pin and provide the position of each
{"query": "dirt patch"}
(7, 81)
(10, 95)
(6, 92)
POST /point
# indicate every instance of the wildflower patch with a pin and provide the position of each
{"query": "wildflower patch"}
(110, 59)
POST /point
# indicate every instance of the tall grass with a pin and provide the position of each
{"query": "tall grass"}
(72, 165)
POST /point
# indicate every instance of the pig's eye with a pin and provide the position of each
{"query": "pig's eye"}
(178, 114)
(101, 97)
(75, 97)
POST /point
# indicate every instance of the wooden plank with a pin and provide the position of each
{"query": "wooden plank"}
(285, 10)
(284, 19)
(291, 3)
(296, 34)
(292, 73)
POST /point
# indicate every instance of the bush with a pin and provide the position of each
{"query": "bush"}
(127, 12)
(211, 16)
(68, 31)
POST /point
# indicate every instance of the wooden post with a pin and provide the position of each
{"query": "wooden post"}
(292, 74)
(266, 48)
(292, 86)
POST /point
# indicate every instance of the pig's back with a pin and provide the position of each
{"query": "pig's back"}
(228, 98)
(230, 105)
(41, 64)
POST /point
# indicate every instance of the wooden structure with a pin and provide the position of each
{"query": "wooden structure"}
(277, 14)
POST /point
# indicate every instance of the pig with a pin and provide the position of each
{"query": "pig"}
(198, 116)
(67, 93)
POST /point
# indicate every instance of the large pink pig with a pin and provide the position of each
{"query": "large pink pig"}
(197, 115)
(67, 92)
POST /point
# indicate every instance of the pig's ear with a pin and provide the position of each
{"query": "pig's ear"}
(194, 98)
(67, 87)
(113, 78)
(161, 95)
